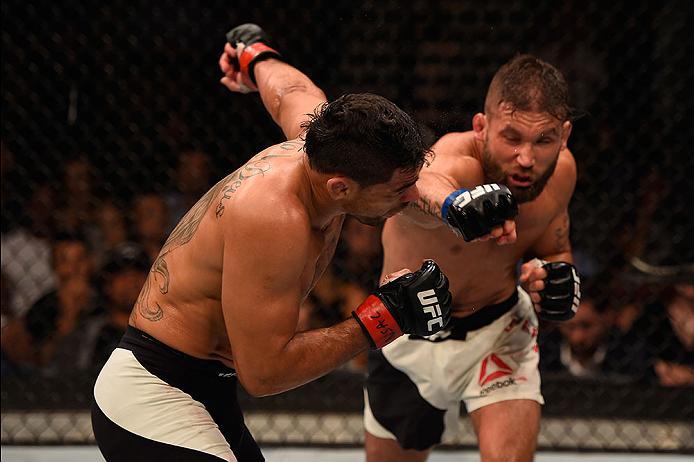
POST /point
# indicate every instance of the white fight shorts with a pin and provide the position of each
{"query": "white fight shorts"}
(415, 385)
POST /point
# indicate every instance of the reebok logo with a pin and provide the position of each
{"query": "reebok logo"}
(430, 305)
(493, 368)
(496, 385)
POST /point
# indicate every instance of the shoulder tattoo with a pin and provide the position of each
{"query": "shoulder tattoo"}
(184, 231)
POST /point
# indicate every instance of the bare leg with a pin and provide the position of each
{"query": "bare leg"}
(507, 431)
(387, 450)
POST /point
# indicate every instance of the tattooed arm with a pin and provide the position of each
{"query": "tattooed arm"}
(554, 269)
(554, 244)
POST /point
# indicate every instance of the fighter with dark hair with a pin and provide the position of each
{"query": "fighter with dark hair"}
(221, 301)
(487, 358)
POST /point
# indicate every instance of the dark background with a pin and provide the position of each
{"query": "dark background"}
(131, 84)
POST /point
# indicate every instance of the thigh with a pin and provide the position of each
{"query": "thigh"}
(507, 430)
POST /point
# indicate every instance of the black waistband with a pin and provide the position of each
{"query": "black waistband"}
(458, 328)
(161, 355)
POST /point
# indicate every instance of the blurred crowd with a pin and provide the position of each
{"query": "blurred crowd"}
(74, 260)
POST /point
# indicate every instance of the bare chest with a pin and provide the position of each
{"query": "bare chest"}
(323, 249)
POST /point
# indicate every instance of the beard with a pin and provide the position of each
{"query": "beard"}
(493, 173)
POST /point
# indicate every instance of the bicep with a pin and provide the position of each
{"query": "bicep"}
(261, 294)
(555, 242)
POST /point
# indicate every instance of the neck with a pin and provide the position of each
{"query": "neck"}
(321, 207)
(477, 150)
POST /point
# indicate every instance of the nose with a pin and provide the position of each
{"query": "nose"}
(525, 156)
(411, 194)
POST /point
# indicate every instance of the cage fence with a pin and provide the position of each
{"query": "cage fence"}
(106, 105)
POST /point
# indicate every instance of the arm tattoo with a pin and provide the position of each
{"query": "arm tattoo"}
(186, 228)
(424, 205)
(561, 234)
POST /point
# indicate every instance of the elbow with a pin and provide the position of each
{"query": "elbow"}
(256, 390)
(259, 387)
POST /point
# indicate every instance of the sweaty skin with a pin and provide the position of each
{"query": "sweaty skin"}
(181, 303)
(229, 281)
(521, 149)
(481, 273)
(524, 145)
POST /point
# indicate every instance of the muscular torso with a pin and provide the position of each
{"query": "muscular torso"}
(480, 273)
(180, 303)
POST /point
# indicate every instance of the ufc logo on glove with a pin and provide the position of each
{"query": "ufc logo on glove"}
(431, 306)
(416, 303)
(467, 196)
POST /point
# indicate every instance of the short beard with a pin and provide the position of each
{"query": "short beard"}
(494, 174)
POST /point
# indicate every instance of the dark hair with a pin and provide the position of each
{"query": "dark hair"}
(365, 137)
(528, 83)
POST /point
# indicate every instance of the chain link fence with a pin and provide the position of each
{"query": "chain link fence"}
(113, 121)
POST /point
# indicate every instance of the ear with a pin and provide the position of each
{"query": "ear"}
(340, 187)
(565, 132)
(479, 126)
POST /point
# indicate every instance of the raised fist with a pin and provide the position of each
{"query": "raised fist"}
(247, 46)
(476, 213)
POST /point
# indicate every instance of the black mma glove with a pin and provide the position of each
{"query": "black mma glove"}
(561, 296)
(473, 214)
(416, 303)
(255, 42)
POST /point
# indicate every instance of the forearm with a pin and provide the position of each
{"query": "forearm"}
(286, 92)
(433, 190)
(306, 357)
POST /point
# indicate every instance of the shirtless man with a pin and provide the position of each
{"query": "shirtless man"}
(487, 357)
(222, 298)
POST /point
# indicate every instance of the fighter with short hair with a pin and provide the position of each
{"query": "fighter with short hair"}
(487, 357)
(221, 301)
